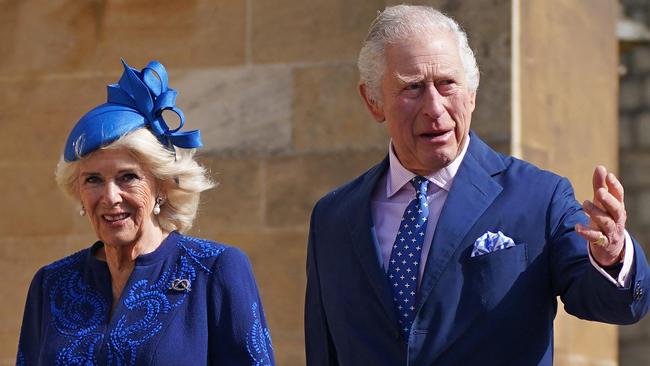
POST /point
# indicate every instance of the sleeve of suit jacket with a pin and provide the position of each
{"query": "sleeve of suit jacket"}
(319, 347)
(586, 293)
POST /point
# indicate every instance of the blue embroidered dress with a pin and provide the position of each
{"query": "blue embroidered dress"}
(215, 317)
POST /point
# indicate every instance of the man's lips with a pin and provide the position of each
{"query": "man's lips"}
(437, 136)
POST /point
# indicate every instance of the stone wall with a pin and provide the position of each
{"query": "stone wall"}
(634, 117)
(272, 86)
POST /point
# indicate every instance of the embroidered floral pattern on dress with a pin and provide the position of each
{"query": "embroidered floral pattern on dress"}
(258, 341)
(78, 311)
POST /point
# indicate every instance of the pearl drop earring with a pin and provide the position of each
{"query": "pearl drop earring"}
(156, 207)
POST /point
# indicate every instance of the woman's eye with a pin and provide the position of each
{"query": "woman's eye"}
(92, 179)
(129, 177)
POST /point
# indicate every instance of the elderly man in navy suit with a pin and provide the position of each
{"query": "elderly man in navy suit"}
(446, 252)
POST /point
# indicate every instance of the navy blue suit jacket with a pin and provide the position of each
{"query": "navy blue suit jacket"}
(495, 309)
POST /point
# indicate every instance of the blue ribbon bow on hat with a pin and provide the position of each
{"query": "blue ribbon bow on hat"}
(136, 101)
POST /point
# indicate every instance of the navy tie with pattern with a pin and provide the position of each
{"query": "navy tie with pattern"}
(404, 265)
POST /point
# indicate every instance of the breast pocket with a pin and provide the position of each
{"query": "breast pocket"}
(492, 276)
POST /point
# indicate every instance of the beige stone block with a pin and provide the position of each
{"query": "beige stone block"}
(296, 183)
(329, 113)
(64, 36)
(32, 203)
(278, 259)
(576, 129)
(573, 359)
(236, 202)
(238, 109)
(37, 115)
(20, 258)
(314, 30)
(584, 343)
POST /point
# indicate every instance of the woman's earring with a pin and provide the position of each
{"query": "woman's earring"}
(82, 211)
(156, 207)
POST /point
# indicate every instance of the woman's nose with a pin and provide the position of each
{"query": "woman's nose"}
(112, 194)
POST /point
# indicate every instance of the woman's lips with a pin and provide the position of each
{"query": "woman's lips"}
(116, 217)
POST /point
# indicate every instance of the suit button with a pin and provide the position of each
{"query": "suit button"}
(638, 291)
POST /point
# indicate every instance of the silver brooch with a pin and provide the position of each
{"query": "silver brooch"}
(181, 284)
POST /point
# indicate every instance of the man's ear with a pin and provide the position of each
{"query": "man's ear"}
(472, 100)
(472, 96)
(373, 106)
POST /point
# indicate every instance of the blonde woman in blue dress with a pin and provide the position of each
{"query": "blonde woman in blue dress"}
(145, 292)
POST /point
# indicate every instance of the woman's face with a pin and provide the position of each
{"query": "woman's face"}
(118, 195)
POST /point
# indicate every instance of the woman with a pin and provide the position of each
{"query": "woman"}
(145, 293)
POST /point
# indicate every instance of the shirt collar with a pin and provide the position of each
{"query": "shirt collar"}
(399, 176)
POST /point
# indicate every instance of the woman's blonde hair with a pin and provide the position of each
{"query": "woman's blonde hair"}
(180, 176)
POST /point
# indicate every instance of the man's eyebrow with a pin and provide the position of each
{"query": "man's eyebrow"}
(408, 79)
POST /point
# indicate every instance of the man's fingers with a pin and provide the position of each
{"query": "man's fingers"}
(615, 187)
(611, 205)
(599, 178)
(599, 181)
(599, 219)
(589, 234)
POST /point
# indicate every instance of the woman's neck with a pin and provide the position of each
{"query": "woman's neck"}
(121, 258)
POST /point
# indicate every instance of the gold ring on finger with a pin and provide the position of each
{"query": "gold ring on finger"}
(601, 240)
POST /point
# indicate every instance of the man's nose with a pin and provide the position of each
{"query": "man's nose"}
(112, 194)
(434, 102)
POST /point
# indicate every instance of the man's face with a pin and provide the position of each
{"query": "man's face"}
(425, 101)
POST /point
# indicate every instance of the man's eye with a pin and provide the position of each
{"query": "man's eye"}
(413, 86)
(446, 82)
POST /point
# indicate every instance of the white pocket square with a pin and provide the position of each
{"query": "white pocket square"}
(491, 242)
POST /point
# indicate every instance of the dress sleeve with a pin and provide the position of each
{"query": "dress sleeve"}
(238, 334)
(585, 292)
(29, 344)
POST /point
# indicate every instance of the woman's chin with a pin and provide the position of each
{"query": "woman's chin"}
(117, 237)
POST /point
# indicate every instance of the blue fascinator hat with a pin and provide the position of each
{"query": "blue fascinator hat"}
(136, 101)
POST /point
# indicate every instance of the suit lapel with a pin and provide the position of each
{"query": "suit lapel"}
(472, 192)
(364, 243)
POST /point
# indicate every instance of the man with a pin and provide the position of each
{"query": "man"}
(446, 252)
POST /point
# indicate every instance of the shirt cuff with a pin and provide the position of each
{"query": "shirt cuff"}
(622, 280)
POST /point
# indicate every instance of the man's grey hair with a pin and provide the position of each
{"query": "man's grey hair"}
(397, 23)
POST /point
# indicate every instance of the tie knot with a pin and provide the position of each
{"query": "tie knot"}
(420, 184)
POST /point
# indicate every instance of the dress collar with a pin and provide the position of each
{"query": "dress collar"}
(163, 251)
